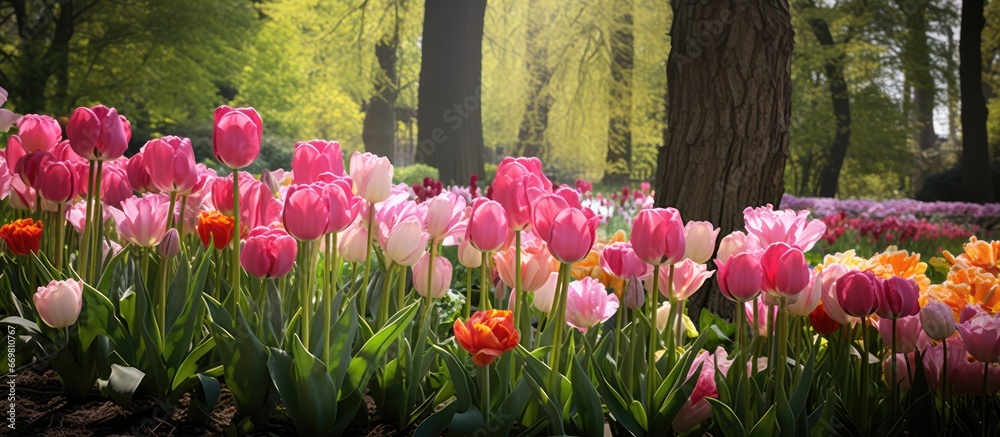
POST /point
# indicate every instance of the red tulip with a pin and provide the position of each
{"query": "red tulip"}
(237, 136)
(822, 322)
(487, 335)
(22, 236)
(172, 166)
(658, 236)
(98, 133)
(268, 252)
(215, 228)
(786, 272)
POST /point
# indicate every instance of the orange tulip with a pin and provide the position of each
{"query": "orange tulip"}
(487, 335)
(22, 236)
(215, 228)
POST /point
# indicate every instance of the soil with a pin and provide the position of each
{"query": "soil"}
(43, 410)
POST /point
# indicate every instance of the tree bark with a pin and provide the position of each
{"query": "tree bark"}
(977, 183)
(449, 119)
(618, 161)
(379, 131)
(829, 172)
(729, 104)
(917, 68)
(531, 134)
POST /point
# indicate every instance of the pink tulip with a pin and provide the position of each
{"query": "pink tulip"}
(786, 272)
(487, 229)
(828, 279)
(307, 212)
(269, 252)
(965, 377)
(342, 202)
(38, 133)
(21, 196)
(237, 135)
(761, 321)
(372, 176)
(903, 377)
(740, 277)
(589, 304)
(536, 265)
(898, 298)
(469, 256)
(699, 241)
(545, 295)
(257, 206)
(138, 174)
(405, 242)
(7, 119)
(56, 181)
(314, 158)
(857, 293)
(908, 334)
(981, 334)
(688, 278)
(353, 244)
(619, 259)
(514, 179)
(98, 133)
(938, 320)
(59, 303)
(569, 231)
(808, 299)
(142, 220)
(170, 245)
(696, 409)
(441, 280)
(13, 153)
(583, 187)
(63, 151)
(658, 236)
(444, 216)
(30, 166)
(768, 226)
(171, 164)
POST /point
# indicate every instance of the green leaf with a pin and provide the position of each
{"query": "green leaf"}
(587, 402)
(511, 408)
(247, 376)
(664, 416)
(364, 364)
(459, 377)
(549, 405)
(340, 344)
(726, 418)
(436, 424)
(766, 426)
(620, 409)
(123, 383)
(189, 366)
(306, 389)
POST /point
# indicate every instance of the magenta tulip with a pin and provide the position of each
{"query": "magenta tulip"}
(171, 164)
(487, 228)
(313, 158)
(268, 252)
(699, 241)
(786, 272)
(138, 174)
(142, 220)
(115, 187)
(588, 304)
(307, 211)
(857, 293)
(342, 202)
(740, 277)
(56, 181)
(38, 133)
(30, 166)
(898, 298)
(619, 259)
(937, 320)
(981, 334)
(372, 176)
(514, 179)
(441, 280)
(658, 236)
(98, 133)
(59, 303)
(237, 135)
(569, 230)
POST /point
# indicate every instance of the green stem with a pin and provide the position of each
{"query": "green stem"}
(401, 291)
(383, 301)
(180, 220)
(519, 318)
(484, 401)
(559, 323)
(305, 294)
(60, 235)
(484, 295)
(88, 226)
(651, 300)
(468, 292)
(97, 249)
(863, 372)
(781, 341)
(945, 396)
(161, 313)
(235, 267)
(892, 365)
(330, 288)
(363, 307)
(170, 210)
(986, 399)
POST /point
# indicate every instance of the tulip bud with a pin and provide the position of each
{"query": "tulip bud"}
(699, 241)
(635, 297)
(786, 272)
(59, 303)
(740, 277)
(170, 245)
(270, 182)
(441, 276)
(857, 291)
(353, 245)
(468, 255)
(937, 320)
(731, 244)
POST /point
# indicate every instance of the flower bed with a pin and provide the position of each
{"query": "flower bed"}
(308, 299)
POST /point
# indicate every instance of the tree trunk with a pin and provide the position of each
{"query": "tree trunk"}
(977, 183)
(379, 132)
(951, 78)
(729, 103)
(618, 161)
(59, 52)
(917, 66)
(531, 135)
(829, 173)
(449, 119)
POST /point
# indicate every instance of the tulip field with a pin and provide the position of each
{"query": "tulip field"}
(326, 300)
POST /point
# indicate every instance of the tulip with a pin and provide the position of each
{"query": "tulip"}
(342, 202)
(937, 320)
(487, 335)
(583, 186)
(808, 299)
(982, 336)
(569, 231)
(444, 216)
(13, 153)
(903, 378)
(38, 132)
(215, 228)
(23, 236)
(731, 244)
(822, 322)
(662, 315)
(908, 334)
(142, 220)
(965, 377)
(740, 277)
(307, 212)
(536, 265)
(21, 196)
(487, 228)
(372, 176)
(98, 133)
(635, 297)
(766, 226)
(59, 303)
(172, 168)
(545, 295)
(56, 181)
(469, 256)
(660, 234)
(898, 298)
(115, 186)
(441, 280)
(786, 272)
(688, 278)
(699, 241)
(29, 167)
(268, 252)
(405, 243)
(857, 293)
(313, 158)
(696, 409)
(761, 320)
(353, 244)
(828, 279)
(138, 174)
(237, 135)
(619, 259)
(170, 245)
(589, 304)
(514, 179)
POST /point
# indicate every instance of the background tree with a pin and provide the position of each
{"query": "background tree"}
(977, 183)
(618, 163)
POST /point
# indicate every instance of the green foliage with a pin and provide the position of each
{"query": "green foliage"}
(413, 174)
